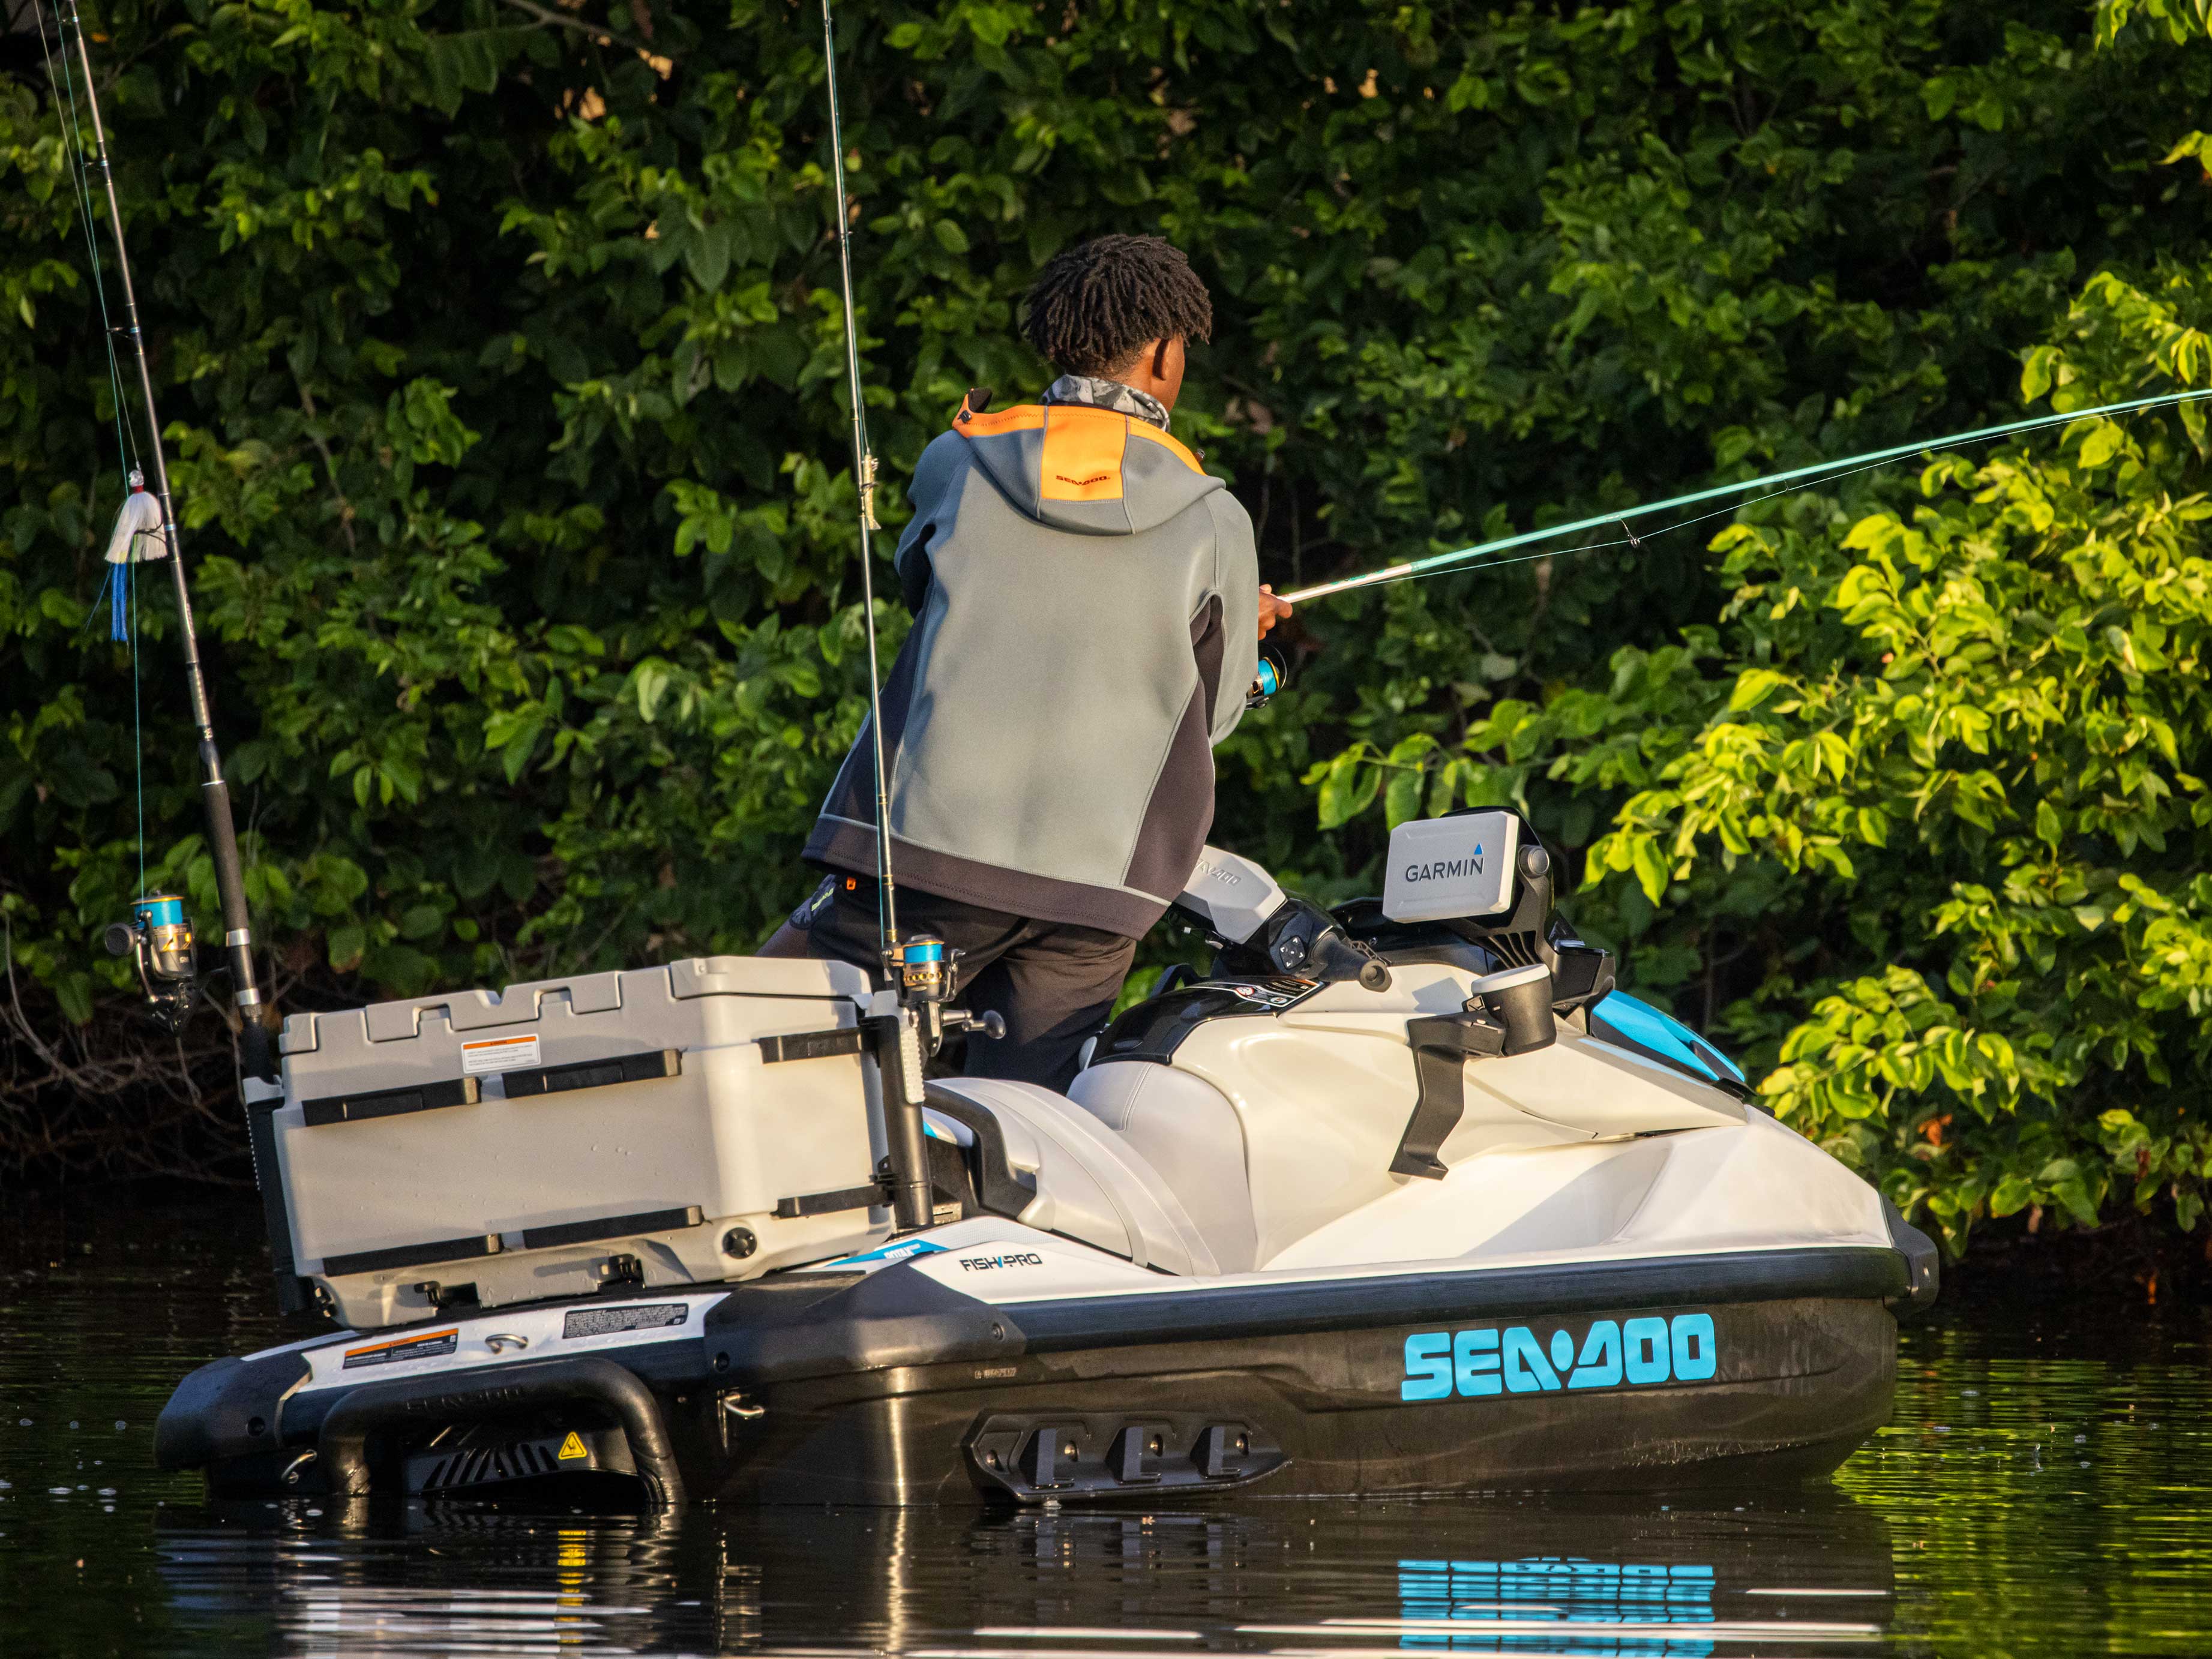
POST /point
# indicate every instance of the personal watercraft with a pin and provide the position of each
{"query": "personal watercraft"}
(1405, 1197)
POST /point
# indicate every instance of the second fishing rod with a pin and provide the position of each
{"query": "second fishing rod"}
(159, 933)
(1766, 484)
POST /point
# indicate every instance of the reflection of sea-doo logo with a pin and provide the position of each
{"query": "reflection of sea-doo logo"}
(1577, 1588)
(1447, 869)
(1490, 1361)
(983, 1264)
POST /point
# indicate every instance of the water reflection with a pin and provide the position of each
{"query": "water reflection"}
(2042, 1490)
(1498, 1577)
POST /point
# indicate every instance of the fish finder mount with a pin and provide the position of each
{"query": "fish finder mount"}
(1478, 877)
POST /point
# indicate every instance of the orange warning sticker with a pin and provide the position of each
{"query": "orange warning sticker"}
(414, 1346)
(506, 1053)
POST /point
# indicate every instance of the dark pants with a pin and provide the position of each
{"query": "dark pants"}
(1053, 984)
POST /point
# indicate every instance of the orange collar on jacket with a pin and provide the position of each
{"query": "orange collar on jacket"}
(1083, 445)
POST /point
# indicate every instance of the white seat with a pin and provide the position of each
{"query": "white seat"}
(1092, 1184)
(1186, 1129)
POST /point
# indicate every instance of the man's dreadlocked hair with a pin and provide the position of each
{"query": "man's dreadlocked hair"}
(1095, 303)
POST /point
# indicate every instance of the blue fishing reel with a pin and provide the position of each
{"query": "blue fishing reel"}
(925, 972)
(158, 938)
(1272, 674)
(923, 967)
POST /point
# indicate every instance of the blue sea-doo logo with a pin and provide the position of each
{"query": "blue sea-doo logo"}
(1488, 1360)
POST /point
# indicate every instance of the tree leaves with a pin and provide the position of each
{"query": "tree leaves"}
(1753, 687)
(510, 436)
(1963, 742)
(1347, 783)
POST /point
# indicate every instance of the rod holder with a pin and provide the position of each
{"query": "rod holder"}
(1520, 999)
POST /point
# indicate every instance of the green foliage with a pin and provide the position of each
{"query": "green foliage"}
(1985, 718)
(499, 349)
(1962, 739)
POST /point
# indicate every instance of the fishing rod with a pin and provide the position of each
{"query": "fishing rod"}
(920, 969)
(864, 475)
(159, 935)
(1767, 484)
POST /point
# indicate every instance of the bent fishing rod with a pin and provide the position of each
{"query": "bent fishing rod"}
(159, 935)
(1772, 483)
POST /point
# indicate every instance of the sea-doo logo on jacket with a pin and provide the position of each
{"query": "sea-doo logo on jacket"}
(984, 1264)
(1488, 1360)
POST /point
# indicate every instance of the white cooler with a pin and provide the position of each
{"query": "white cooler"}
(645, 1128)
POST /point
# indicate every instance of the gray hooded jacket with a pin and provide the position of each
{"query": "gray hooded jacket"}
(1085, 601)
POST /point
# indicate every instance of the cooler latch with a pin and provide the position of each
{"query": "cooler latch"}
(813, 1045)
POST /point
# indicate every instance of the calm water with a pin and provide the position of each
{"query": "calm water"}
(2043, 1489)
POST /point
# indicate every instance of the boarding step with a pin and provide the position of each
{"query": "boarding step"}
(1036, 1457)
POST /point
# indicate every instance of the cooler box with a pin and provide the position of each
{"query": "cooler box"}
(576, 1135)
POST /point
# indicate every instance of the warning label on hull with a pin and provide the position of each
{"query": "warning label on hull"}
(506, 1053)
(428, 1346)
(632, 1316)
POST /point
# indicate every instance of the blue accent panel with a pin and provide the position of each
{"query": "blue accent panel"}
(1664, 1034)
(902, 1250)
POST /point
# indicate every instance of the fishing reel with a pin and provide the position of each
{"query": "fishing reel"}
(158, 938)
(926, 972)
(1271, 676)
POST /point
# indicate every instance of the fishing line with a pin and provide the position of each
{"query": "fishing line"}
(864, 475)
(72, 136)
(130, 567)
(1822, 472)
(1631, 539)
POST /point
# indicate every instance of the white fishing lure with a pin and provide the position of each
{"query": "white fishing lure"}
(137, 525)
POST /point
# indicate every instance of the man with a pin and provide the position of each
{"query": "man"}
(1084, 598)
